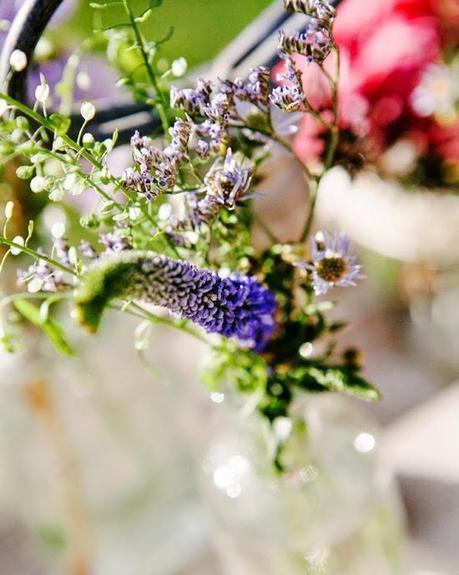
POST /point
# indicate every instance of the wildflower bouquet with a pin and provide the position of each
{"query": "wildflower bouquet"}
(169, 241)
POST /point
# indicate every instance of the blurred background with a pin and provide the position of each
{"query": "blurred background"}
(101, 457)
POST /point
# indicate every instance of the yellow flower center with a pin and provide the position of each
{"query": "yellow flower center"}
(331, 268)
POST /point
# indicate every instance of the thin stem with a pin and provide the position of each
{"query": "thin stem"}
(38, 255)
(161, 104)
(139, 311)
(313, 193)
(332, 146)
(77, 148)
(26, 295)
(46, 123)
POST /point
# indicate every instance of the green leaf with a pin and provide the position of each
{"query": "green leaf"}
(50, 328)
(337, 379)
(231, 366)
(59, 123)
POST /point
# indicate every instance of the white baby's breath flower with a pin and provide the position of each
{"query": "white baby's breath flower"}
(70, 181)
(9, 210)
(83, 81)
(73, 255)
(17, 240)
(35, 285)
(179, 67)
(58, 230)
(44, 49)
(38, 184)
(59, 143)
(42, 91)
(134, 213)
(88, 139)
(57, 194)
(18, 60)
(3, 107)
(88, 111)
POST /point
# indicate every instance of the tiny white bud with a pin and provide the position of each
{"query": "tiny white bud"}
(73, 256)
(42, 93)
(134, 213)
(83, 81)
(70, 181)
(283, 428)
(88, 139)
(44, 49)
(4, 25)
(58, 143)
(88, 111)
(18, 60)
(3, 107)
(120, 217)
(58, 230)
(34, 285)
(164, 212)
(38, 184)
(9, 210)
(17, 240)
(108, 143)
(57, 195)
(179, 67)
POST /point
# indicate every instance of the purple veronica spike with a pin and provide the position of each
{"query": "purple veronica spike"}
(333, 262)
(238, 307)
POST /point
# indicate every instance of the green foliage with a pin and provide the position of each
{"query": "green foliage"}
(53, 330)
(229, 366)
(60, 123)
(334, 378)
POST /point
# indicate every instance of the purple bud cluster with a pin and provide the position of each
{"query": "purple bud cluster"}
(41, 277)
(290, 96)
(237, 307)
(214, 109)
(226, 183)
(113, 243)
(314, 42)
(156, 169)
(254, 90)
(319, 9)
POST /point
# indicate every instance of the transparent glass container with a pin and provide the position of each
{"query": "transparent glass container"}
(334, 511)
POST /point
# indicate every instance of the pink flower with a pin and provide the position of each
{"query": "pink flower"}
(386, 45)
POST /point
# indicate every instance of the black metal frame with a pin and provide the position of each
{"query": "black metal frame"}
(34, 15)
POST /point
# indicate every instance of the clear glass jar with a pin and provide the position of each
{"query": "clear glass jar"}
(334, 511)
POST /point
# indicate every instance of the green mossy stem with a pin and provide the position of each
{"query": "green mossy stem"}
(101, 284)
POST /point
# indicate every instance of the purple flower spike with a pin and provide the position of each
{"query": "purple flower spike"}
(238, 307)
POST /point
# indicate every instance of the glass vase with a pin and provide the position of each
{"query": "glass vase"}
(333, 510)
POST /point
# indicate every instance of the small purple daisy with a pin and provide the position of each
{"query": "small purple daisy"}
(333, 262)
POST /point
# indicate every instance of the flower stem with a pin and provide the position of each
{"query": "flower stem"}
(38, 255)
(160, 100)
(331, 150)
